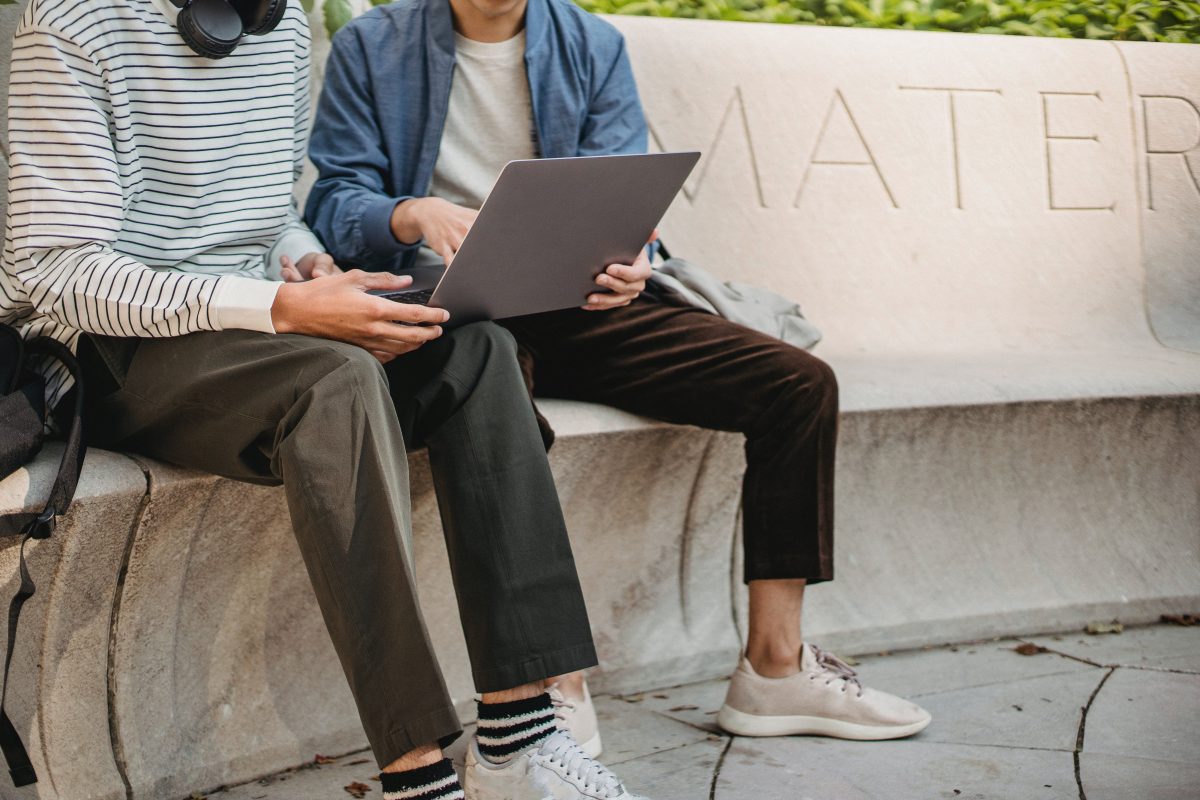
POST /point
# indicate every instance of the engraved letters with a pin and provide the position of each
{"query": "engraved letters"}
(1050, 138)
(955, 154)
(1152, 104)
(816, 160)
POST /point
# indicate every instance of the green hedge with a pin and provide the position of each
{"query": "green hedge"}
(1147, 20)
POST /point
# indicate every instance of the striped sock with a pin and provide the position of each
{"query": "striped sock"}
(506, 729)
(434, 782)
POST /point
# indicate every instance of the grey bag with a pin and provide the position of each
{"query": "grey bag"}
(683, 283)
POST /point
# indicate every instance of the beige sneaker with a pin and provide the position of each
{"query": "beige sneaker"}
(825, 698)
(578, 717)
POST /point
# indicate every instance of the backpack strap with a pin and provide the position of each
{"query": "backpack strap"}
(41, 526)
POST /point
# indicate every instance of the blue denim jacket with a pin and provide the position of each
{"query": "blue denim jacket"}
(379, 122)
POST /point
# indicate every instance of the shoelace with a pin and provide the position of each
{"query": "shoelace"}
(840, 669)
(562, 749)
(562, 706)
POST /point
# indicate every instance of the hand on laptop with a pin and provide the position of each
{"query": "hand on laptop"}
(442, 224)
(310, 265)
(338, 307)
(624, 283)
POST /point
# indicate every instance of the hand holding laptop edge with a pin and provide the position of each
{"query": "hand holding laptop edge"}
(527, 251)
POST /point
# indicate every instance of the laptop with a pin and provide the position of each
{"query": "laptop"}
(547, 229)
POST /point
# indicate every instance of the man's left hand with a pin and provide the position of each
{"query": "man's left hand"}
(624, 282)
(310, 265)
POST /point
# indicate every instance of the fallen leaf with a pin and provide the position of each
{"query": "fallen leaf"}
(682, 708)
(1096, 628)
(1180, 619)
(320, 759)
(357, 789)
(356, 763)
(659, 696)
(1017, 707)
(957, 792)
(1029, 649)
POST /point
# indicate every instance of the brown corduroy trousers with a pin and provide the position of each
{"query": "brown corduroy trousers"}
(684, 365)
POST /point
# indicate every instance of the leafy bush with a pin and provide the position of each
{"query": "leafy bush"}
(1142, 20)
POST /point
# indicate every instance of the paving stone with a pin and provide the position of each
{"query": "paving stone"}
(923, 672)
(631, 731)
(696, 705)
(684, 773)
(1147, 714)
(1152, 646)
(1041, 712)
(827, 769)
(1189, 663)
(324, 782)
(1109, 777)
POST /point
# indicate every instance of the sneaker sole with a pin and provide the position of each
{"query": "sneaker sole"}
(740, 723)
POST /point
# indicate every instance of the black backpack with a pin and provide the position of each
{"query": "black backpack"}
(22, 432)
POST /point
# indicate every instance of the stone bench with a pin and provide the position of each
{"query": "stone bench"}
(997, 236)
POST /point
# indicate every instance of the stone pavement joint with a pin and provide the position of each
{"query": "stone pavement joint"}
(712, 788)
(1083, 729)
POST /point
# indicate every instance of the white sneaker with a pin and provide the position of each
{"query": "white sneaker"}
(555, 769)
(578, 717)
(825, 698)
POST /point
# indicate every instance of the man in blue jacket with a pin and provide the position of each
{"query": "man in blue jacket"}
(424, 102)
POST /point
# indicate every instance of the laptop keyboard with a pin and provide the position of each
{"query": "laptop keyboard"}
(419, 297)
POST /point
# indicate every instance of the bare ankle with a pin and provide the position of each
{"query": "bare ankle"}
(774, 661)
(519, 693)
(571, 685)
(423, 756)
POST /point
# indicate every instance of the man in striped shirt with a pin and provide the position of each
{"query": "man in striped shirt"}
(149, 209)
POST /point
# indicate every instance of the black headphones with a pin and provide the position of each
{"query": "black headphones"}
(213, 28)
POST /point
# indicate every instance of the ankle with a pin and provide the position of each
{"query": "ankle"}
(774, 660)
(424, 756)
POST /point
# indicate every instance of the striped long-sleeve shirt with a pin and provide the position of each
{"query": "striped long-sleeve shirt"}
(149, 188)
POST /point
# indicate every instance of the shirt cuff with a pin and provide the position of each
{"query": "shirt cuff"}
(295, 243)
(376, 222)
(244, 303)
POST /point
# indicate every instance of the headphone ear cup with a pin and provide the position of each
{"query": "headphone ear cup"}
(210, 27)
(260, 16)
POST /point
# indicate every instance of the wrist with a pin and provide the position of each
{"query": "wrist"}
(283, 309)
(406, 222)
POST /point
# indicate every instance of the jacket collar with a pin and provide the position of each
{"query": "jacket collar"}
(439, 22)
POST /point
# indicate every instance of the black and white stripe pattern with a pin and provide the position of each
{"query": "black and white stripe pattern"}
(506, 729)
(147, 185)
(434, 782)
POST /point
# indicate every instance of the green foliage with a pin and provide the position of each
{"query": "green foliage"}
(1140, 20)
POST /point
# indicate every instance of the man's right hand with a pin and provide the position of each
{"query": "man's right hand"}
(338, 307)
(442, 224)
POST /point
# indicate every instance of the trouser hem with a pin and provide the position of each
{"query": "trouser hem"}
(498, 678)
(786, 569)
(441, 727)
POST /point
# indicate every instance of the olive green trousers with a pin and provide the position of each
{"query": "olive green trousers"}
(333, 426)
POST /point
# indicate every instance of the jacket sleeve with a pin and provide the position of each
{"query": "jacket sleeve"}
(615, 122)
(66, 211)
(349, 207)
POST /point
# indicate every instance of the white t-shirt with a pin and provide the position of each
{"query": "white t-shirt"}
(489, 121)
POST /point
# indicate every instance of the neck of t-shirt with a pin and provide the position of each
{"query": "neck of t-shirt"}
(508, 49)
